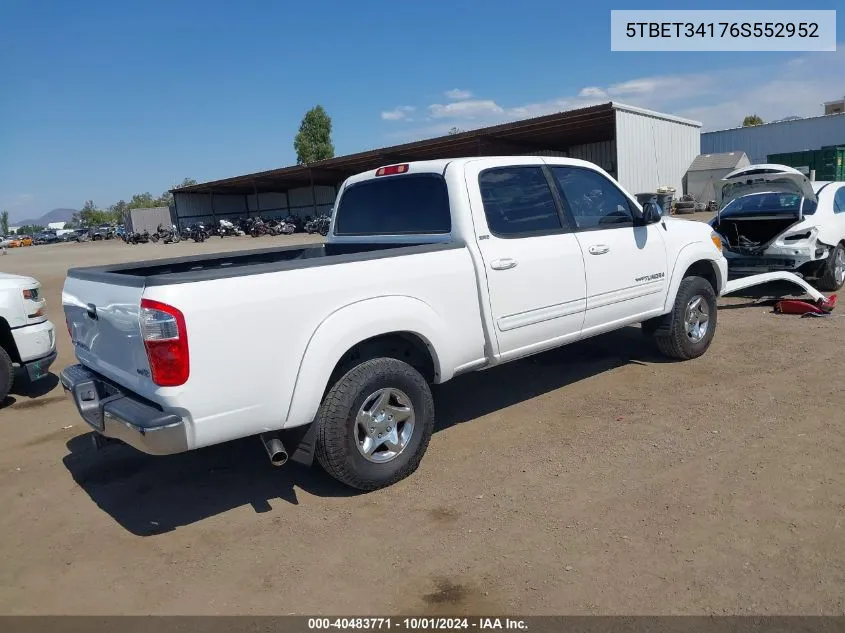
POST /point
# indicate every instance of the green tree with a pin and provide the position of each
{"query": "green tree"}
(117, 211)
(4, 223)
(752, 119)
(29, 229)
(166, 199)
(456, 130)
(142, 201)
(313, 142)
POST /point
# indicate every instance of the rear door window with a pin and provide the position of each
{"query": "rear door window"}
(395, 205)
(518, 202)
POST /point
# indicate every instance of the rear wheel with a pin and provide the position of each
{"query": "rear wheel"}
(374, 424)
(692, 321)
(833, 275)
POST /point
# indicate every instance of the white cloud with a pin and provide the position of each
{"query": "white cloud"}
(398, 114)
(456, 94)
(470, 109)
(592, 92)
(719, 98)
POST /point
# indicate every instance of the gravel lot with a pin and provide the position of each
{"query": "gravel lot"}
(595, 479)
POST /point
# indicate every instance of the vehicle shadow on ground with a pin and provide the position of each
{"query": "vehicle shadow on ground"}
(34, 389)
(150, 495)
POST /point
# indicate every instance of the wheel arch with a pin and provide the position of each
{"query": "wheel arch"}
(399, 327)
(695, 259)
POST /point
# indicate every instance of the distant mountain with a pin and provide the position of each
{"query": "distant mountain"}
(56, 215)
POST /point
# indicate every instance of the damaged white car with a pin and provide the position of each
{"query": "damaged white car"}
(773, 218)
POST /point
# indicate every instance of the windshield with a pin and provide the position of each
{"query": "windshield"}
(778, 202)
(397, 205)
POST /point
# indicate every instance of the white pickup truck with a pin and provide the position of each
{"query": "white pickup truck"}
(431, 269)
(27, 337)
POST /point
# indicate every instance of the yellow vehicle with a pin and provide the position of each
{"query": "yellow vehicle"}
(23, 240)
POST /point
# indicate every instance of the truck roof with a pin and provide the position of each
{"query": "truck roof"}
(439, 165)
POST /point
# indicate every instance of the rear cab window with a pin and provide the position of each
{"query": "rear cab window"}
(406, 204)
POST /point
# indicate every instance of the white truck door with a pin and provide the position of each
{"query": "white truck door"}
(627, 273)
(532, 260)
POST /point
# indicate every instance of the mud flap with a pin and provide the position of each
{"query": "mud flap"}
(300, 442)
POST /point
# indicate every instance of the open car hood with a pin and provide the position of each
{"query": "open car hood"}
(763, 179)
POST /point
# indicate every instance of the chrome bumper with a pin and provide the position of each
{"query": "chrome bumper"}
(113, 412)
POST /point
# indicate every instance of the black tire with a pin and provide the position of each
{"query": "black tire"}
(673, 341)
(154, 237)
(7, 374)
(827, 281)
(684, 205)
(336, 429)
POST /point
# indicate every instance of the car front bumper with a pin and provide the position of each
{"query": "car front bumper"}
(36, 341)
(116, 413)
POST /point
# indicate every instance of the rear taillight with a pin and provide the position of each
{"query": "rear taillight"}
(166, 340)
(392, 170)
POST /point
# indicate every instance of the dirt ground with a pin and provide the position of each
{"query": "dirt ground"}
(595, 479)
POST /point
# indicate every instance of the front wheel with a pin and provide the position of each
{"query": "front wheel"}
(833, 273)
(7, 374)
(692, 321)
(374, 424)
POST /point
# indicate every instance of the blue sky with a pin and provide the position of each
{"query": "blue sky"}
(103, 99)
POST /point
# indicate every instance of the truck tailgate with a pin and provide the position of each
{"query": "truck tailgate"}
(103, 322)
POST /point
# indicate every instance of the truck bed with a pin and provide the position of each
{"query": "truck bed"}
(179, 270)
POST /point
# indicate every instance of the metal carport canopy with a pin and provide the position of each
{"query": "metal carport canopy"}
(555, 132)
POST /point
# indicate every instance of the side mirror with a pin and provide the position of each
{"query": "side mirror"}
(652, 213)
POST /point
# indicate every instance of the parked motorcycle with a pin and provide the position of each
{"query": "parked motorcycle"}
(226, 229)
(297, 223)
(258, 228)
(320, 225)
(168, 234)
(280, 227)
(138, 238)
(197, 232)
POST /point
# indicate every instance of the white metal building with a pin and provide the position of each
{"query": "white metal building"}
(760, 141)
(643, 149)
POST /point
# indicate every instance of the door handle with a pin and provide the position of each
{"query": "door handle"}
(599, 249)
(503, 264)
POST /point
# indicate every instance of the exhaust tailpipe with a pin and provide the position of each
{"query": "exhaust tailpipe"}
(275, 449)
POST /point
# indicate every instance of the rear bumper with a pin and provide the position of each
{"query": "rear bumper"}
(116, 413)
